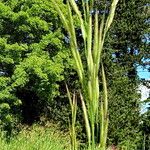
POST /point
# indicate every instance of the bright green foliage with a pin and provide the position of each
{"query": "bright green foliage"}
(32, 56)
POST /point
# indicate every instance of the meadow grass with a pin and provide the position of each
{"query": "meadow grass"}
(36, 138)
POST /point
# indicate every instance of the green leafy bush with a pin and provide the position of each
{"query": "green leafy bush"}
(32, 58)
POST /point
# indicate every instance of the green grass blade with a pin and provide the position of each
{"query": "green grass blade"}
(73, 104)
(96, 44)
(87, 124)
(74, 46)
(100, 44)
(111, 14)
(89, 47)
(101, 125)
(84, 11)
(75, 7)
(69, 96)
(62, 17)
(105, 91)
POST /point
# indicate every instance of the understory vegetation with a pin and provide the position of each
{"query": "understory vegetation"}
(36, 138)
(68, 74)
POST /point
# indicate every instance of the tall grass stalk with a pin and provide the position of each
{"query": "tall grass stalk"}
(73, 104)
(93, 35)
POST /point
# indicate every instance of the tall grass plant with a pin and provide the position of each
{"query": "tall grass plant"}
(93, 35)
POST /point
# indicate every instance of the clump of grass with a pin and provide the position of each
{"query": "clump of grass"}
(37, 138)
(93, 31)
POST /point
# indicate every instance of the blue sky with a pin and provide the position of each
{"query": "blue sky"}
(143, 72)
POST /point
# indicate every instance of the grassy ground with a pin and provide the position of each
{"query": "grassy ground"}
(42, 138)
(37, 138)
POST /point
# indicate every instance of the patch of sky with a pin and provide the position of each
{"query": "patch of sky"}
(144, 74)
(146, 38)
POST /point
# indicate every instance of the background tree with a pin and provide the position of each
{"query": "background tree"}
(145, 126)
(32, 58)
(128, 49)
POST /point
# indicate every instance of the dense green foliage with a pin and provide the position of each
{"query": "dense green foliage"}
(145, 126)
(124, 51)
(32, 58)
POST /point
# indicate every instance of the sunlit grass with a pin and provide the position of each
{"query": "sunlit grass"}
(37, 138)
